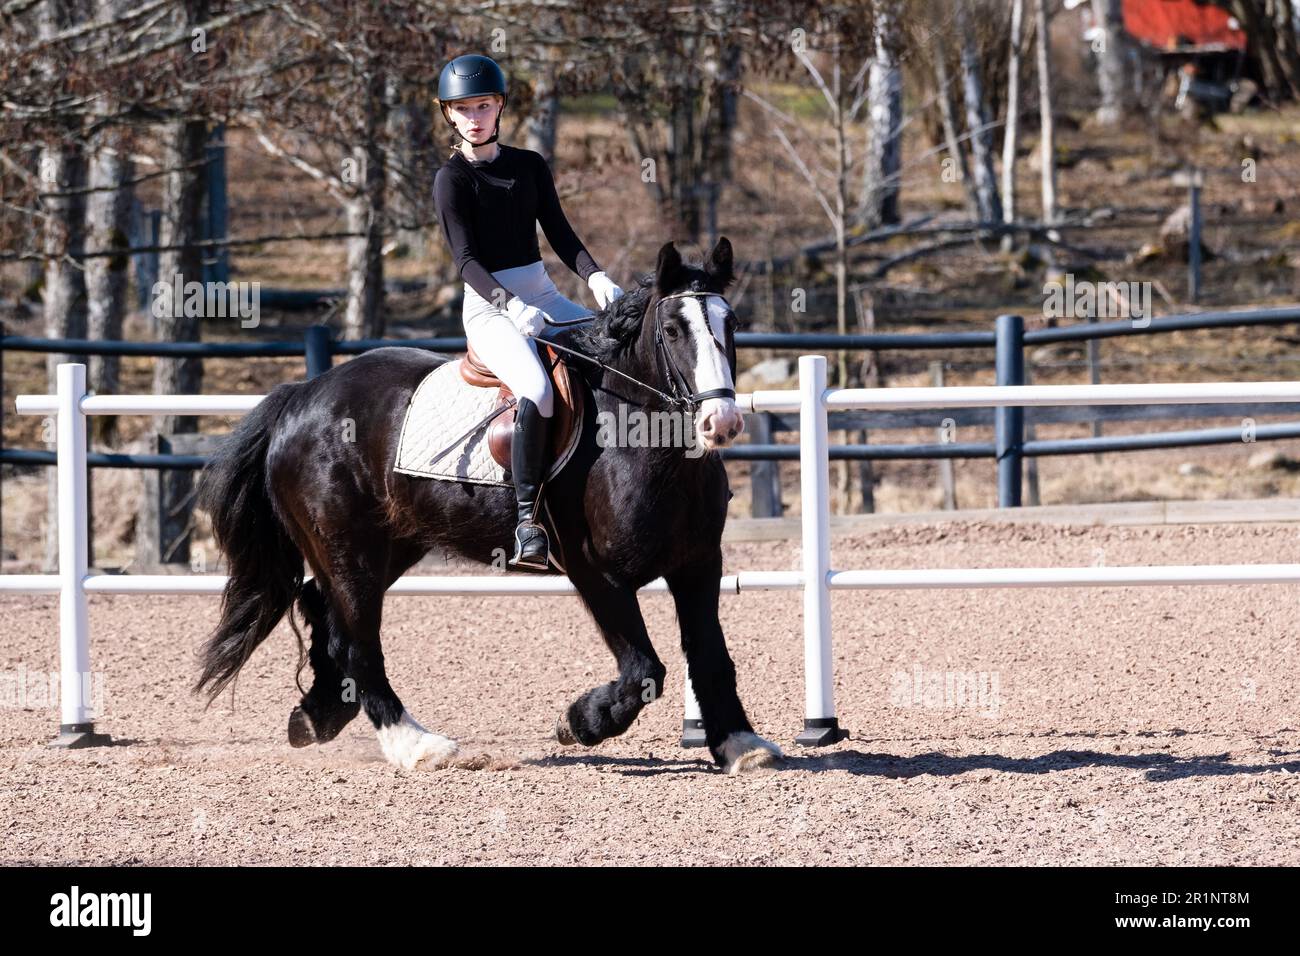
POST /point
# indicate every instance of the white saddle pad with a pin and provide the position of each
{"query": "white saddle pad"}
(437, 440)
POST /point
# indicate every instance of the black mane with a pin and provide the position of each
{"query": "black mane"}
(615, 327)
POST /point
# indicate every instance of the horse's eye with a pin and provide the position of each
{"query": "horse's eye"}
(731, 322)
(671, 331)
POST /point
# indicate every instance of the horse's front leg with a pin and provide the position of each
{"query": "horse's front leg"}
(727, 730)
(608, 710)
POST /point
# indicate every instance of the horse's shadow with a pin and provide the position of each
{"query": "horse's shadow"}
(1158, 767)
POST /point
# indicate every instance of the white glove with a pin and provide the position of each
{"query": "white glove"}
(528, 319)
(603, 288)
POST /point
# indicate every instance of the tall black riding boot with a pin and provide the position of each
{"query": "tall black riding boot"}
(528, 461)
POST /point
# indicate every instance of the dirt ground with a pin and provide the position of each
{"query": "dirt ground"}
(1098, 726)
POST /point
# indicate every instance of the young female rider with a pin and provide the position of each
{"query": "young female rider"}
(490, 198)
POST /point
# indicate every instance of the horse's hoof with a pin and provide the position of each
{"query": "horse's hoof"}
(434, 750)
(563, 733)
(301, 732)
(747, 751)
(408, 745)
(426, 751)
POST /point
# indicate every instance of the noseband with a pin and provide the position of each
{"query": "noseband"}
(677, 384)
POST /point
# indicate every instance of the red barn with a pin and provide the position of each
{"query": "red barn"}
(1169, 25)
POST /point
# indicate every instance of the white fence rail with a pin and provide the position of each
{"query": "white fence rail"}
(816, 578)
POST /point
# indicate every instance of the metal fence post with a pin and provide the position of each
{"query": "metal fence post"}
(1009, 422)
(76, 726)
(820, 727)
(764, 476)
(319, 350)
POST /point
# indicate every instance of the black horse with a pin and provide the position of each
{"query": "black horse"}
(309, 475)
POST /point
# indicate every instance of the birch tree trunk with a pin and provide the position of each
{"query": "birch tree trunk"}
(948, 113)
(1011, 134)
(977, 123)
(1113, 74)
(880, 171)
(1047, 138)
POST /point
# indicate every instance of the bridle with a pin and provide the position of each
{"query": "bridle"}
(681, 395)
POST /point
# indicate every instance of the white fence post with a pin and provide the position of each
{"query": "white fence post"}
(76, 727)
(820, 726)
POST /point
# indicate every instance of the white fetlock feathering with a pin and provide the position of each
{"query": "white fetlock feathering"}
(745, 751)
(406, 744)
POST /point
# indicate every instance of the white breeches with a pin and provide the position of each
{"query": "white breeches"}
(509, 353)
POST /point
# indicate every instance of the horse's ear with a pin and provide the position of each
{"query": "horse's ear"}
(719, 265)
(668, 269)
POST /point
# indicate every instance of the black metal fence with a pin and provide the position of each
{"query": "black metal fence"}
(1008, 339)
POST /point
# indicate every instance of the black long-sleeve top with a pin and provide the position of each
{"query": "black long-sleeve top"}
(489, 213)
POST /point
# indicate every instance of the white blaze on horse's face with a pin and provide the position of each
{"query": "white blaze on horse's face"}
(718, 421)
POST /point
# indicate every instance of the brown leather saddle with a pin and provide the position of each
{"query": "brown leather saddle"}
(568, 394)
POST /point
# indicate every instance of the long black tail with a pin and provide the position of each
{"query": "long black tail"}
(265, 566)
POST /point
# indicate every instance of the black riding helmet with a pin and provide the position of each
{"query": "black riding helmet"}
(471, 75)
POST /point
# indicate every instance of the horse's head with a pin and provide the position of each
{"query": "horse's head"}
(676, 331)
(694, 335)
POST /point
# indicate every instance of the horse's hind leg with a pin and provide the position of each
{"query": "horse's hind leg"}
(608, 710)
(727, 730)
(331, 703)
(354, 611)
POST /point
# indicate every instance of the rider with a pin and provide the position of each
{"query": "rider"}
(490, 198)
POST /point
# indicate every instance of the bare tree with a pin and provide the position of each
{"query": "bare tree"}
(364, 314)
(1270, 27)
(977, 121)
(1010, 135)
(948, 113)
(690, 70)
(1047, 137)
(543, 119)
(109, 210)
(62, 176)
(1114, 74)
(411, 162)
(844, 96)
(163, 527)
(880, 172)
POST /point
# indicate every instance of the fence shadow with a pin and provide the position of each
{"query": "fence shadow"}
(627, 766)
(1158, 767)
